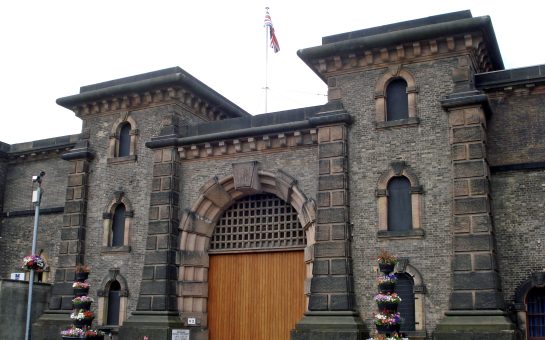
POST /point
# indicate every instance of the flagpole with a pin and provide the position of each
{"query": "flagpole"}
(266, 61)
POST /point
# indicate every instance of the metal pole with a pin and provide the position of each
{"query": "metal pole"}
(36, 198)
(267, 29)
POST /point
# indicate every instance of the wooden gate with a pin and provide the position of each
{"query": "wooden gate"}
(255, 296)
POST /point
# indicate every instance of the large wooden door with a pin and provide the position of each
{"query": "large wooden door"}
(255, 296)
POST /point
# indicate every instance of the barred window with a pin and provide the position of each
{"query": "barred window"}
(258, 222)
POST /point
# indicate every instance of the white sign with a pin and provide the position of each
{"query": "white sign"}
(17, 276)
(191, 321)
(180, 334)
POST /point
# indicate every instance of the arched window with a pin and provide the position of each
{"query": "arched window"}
(397, 104)
(117, 220)
(112, 301)
(396, 98)
(118, 226)
(123, 138)
(124, 144)
(535, 323)
(399, 204)
(114, 297)
(405, 290)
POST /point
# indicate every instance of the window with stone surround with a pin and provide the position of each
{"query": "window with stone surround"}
(395, 98)
(399, 202)
(117, 221)
(112, 301)
(123, 138)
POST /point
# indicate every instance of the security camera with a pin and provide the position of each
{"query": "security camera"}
(38, 178)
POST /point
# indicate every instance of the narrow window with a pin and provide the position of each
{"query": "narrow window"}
(397, 104)
(118, 226)
(124, 140)
(536, 313)
(405, 290)
(399, 204)
(113, 303)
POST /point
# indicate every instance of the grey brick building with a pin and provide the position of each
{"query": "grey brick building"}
(195, 215)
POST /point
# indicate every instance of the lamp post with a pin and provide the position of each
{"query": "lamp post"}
(36, 199)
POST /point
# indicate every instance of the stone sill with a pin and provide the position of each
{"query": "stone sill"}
(125, 159)
(413, 233)
(411, 121)
(115, 250)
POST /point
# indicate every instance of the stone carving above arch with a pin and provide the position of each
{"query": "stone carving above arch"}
(118, 197)
(393, 72)
(217, 195)
(398, 169)
(113, 275)
(124, 117)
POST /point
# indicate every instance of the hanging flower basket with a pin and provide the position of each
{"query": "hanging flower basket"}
(94, 334)
(82, 276)
(386, 287)
(82, 305)
(72, 333)
(82, 302)
(81, 291)
(83, 323)
(389, 307)
(388, 329)
(80, 288)
(33, 262)
(82, 273)
(386, 268)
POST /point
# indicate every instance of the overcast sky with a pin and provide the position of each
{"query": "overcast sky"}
(51, 48)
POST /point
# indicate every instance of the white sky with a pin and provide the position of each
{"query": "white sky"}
(51, 48)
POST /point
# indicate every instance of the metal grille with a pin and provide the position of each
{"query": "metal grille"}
(258, 222)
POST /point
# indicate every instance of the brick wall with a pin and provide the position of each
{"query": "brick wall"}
(518, 201)
(16, 232)
(134, 179)
(515, 130)
(425, 148)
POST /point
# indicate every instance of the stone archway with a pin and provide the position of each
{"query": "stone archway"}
(197, 227)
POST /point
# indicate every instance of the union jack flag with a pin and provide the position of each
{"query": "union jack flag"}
(274, 42)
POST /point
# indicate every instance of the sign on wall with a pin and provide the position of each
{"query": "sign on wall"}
(17, 276)
(180, 334)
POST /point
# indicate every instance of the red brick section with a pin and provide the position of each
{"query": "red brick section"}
(476, 284)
